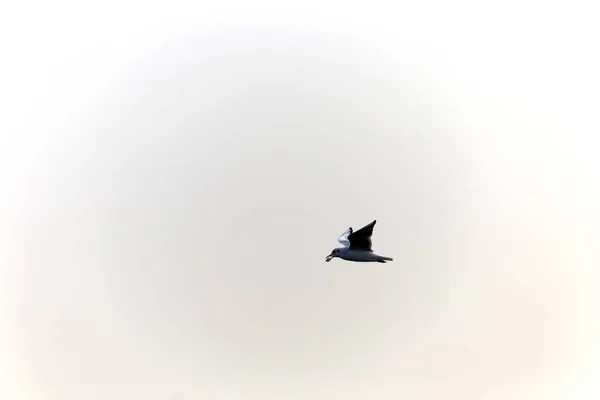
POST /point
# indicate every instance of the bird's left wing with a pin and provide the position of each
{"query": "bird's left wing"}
(361, 239)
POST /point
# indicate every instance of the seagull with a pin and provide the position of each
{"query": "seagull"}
(357, 246)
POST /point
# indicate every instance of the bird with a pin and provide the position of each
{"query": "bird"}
(357, 246)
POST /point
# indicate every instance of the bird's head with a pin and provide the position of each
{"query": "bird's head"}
(334, 253)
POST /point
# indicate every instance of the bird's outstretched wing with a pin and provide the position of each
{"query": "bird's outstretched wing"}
(343, 239)
(361, 239)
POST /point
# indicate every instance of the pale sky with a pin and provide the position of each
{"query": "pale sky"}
(173, 176)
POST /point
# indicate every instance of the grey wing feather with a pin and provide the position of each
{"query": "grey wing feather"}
(343, 239)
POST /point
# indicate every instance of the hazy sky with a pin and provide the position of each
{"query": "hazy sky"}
(173, 177)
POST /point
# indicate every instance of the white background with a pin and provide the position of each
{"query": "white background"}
(172, 176)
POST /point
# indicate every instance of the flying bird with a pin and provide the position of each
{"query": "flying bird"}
(357, 246)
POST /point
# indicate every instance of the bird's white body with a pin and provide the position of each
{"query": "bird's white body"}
(361, 256)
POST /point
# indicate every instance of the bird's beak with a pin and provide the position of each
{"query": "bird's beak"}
(328, 258)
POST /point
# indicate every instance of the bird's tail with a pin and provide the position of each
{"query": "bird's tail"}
(384, 259)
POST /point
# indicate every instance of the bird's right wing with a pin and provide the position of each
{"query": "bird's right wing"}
(343, 239)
